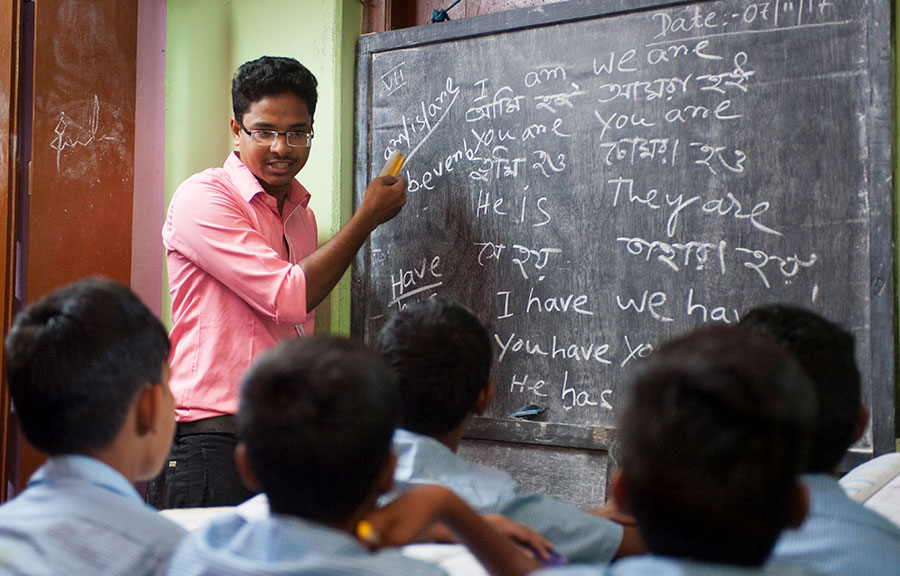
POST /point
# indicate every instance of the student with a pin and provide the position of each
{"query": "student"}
(86, 367)
(441, 355)
(316, 419)
(244, 271)
(840, 536)
(712, 438)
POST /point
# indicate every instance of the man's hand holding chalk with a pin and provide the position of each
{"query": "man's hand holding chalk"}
(385, 195)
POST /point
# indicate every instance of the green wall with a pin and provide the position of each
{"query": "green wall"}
(206, 40)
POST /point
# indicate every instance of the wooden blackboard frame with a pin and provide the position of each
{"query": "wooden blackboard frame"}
(883, 392)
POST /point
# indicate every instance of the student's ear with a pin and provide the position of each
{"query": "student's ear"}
(385, 481)
(245, 471)
(861, 420)
(236, 132)
(484, 398)
(800, 505)
(147, 406)
(618, 487)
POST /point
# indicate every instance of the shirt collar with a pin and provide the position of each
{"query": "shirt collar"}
(277, 536)
(83, 469)
(248, 186)
(406, 442)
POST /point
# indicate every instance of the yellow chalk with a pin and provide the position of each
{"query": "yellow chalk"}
(394, 164)
(367, 534)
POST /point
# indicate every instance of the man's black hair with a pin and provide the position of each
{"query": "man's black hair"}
(75, 361)
(317, 415)
(270, 76)
(827, 353)
(441, 356)
(712, 439)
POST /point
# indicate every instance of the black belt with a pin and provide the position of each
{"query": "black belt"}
(226, 424)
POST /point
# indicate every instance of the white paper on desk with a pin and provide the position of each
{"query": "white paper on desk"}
(869, 477)
(455, 559)
(876, 485)
(195, 518)
(887, 501)
(254, 508)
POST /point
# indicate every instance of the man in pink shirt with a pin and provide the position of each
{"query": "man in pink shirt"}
(244, 270)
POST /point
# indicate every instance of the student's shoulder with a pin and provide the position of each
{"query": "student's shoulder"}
(233, 544)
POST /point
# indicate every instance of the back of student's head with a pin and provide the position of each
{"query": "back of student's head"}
(441, 356)
(712, 439)
(826, 352)
(316, 416)
(75, 361)
(271, 76)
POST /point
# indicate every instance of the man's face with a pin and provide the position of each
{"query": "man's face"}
(276, 165)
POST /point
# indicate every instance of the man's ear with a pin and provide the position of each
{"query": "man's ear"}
(862, 418)
(236, 132)
(147, 406)
(385, 481)
(245, 471)
(799, 506)
(484, 398)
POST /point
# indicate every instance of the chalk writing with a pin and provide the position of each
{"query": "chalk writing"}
(84, 138)
(504, 101)
(678, 255)
(656, 301)
(710, 313)
(393, 79)
(556, 349)
(407, 282)
(427, 120)
(788, 266)
(600, 186)
(535, 387)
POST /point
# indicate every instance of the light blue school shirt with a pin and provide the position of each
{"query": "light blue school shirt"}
(840, 536)
(651, 565)
(80, 516)
(285, 545)
(576, 535)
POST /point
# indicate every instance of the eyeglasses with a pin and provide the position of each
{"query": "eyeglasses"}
(269, 137)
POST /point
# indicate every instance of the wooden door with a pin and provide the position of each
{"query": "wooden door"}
(9, 92)
(76, 156)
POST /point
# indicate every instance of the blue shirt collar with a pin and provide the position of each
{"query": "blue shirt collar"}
(60, 469)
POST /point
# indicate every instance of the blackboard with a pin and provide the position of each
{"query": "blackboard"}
(594, 177)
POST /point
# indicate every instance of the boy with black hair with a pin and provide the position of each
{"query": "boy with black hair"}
(245, 271)
(315, 422)
(840, 536)
(88, 374)
(441, 356)
(713, 436)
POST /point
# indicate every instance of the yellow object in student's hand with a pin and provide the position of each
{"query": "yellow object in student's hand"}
(366, 533)
(394, 164)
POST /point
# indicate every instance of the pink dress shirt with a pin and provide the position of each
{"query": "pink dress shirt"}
(234, 279)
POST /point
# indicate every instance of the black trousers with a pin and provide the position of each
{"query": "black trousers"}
(199, 472)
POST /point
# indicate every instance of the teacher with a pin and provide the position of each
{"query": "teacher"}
(244, 270)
